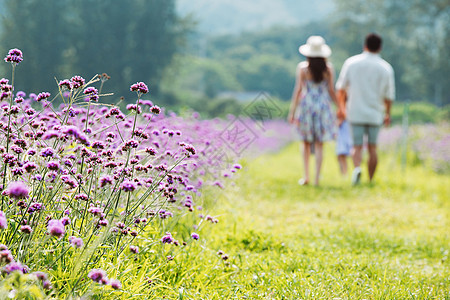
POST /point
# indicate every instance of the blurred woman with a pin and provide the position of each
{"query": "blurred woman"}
(311, 102)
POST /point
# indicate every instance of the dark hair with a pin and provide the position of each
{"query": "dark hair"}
(373, 42)
(317, 66)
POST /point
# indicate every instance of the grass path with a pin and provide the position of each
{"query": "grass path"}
(389, 240)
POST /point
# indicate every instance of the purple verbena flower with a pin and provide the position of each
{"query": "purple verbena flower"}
(103, 222)
(76, 242)
(5, 255)
(190, 150)
(76, 133)
(90, 90)
(134, 249)
(81, 196)
(14, 56)
(56, 228)
(26, 229)
(40, 275)
(17, 190)
(96, 211)
(92, 93)
(36, 206)
(128, 186)
(146, 102)
(50, 134)
(115, 284)
(139, 87)
(69, 181)
(46, 284)
(150, 151)
(47, 152)
(195, 236)
(15, 266)
(155, 109)
(167, 238)
(77, 81)
(65, 84)
(3, 221)
(31, 152)
(42, 96)
(53, 165)
(16, 149)
(104, 180)
(65, 221)
(98, 275)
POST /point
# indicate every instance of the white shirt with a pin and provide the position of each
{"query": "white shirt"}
(368, 80)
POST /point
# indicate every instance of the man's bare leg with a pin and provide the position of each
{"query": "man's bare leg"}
(373, 160)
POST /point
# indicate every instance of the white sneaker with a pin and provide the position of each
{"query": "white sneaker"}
(356, 176)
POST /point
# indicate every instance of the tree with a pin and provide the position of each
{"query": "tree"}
(37, 28)
(416, 37)
(129, 40)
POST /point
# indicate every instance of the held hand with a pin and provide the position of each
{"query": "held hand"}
(387, 120)
(340, 115)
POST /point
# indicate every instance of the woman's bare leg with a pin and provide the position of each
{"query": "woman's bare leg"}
(306, 155)
(319, 158)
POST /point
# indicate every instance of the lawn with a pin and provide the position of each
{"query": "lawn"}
(387, 240)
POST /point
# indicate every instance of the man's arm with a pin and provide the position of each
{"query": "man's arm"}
(389, 97)
(341, 99)
(341, 88)
(387, 112)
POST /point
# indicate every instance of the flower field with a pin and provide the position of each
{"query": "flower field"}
(85, 185)
(103, 203)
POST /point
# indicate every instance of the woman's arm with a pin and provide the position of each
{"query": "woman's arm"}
(296, 94)
(336, 97)
(331, 87)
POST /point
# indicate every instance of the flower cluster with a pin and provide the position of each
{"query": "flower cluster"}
(82, 178)
(430, 143)
(14, 56)
(139, 87)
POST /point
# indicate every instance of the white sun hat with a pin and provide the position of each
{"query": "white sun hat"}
(315, 47)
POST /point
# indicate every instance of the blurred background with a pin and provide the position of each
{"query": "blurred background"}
(214, 56)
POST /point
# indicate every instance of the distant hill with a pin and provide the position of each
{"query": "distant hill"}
(234, 16)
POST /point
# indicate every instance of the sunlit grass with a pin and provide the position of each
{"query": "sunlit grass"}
(387, 240)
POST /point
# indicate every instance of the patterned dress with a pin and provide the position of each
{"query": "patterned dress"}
(317, 122)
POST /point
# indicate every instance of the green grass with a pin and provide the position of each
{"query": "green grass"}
(420, 112)
(387, 240)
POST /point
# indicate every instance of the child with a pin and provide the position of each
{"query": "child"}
(343, 145)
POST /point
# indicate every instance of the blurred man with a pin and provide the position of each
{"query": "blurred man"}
(366, 81)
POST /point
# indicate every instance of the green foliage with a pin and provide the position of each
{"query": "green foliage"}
(265, 59)
(416, 43)
(130, 41)
(224, 16)
(419, 112)
(20, 286)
